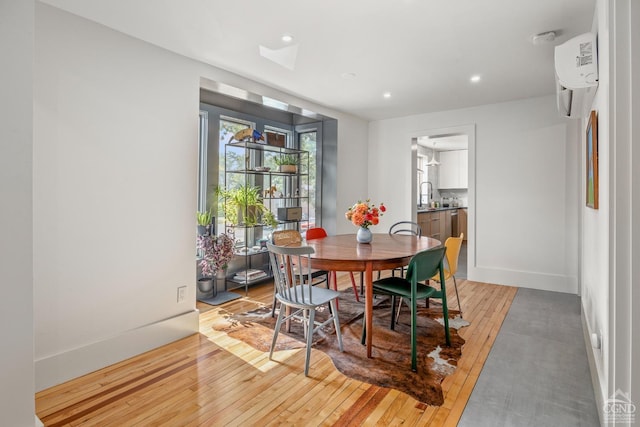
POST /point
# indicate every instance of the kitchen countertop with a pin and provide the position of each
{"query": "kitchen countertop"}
(426, 210)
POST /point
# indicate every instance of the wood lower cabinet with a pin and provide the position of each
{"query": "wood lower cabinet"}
(439, 224)
(424, 221)
(445, 224)
(434, 224)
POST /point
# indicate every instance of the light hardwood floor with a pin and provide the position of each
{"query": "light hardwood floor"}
(212, 379)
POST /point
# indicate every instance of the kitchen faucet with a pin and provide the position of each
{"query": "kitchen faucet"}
(429, 189)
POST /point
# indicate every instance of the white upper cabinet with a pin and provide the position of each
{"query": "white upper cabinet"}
(454, 169)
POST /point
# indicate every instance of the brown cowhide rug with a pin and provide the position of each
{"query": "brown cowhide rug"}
(390, 365)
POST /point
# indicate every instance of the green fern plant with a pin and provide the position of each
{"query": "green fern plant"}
(243, 205)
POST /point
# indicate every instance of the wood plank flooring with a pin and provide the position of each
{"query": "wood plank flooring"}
(210, 379)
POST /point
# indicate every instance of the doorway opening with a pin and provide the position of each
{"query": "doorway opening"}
(443, 164)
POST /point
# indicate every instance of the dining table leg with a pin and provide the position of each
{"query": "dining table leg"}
(368, 305)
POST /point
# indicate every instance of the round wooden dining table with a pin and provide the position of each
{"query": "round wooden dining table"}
(385, 252)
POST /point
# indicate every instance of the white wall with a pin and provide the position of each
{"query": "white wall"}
(525, 183)
(16, 278)
(609, 269)
(634, 199)
(595, 223)
(114, 171)
(115, 162)
(352, 170)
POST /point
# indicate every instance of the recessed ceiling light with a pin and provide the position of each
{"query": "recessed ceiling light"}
(475, 79)
(387, 95)
(287, 38)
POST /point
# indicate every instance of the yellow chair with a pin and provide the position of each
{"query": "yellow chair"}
(453, 245)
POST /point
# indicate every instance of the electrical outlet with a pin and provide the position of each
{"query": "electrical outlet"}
(601, 341)
(595, 341)
(182, 293)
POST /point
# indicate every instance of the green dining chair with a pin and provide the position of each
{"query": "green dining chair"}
(422, 267)
(401, 227)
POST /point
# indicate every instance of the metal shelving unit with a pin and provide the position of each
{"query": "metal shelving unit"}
(245, 164)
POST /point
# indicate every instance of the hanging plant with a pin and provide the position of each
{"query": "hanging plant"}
(217, 251)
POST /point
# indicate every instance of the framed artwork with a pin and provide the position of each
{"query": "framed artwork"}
(592, 161)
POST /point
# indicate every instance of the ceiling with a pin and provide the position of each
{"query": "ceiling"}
(346, 54)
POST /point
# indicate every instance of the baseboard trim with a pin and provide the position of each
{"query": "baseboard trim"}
(593, 370)
(524, 279)
(56, 369)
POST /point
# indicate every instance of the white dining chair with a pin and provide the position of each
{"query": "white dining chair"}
(294, 290)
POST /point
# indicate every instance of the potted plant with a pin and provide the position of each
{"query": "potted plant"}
(268, 218)
(216, 252)
(205, 220)
(287, 162)
(243, 206)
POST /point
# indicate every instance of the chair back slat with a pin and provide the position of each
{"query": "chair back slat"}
(292, 280)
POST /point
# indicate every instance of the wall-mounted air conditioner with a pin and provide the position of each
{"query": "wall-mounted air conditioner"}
(576, 64)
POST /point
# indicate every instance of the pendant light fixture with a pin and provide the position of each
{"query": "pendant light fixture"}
(433, 161)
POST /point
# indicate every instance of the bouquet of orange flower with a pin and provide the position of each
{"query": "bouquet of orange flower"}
(364, 214)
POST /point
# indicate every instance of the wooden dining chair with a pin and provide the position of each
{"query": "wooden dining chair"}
(319, 233)
(422, 267)
(294, 290)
